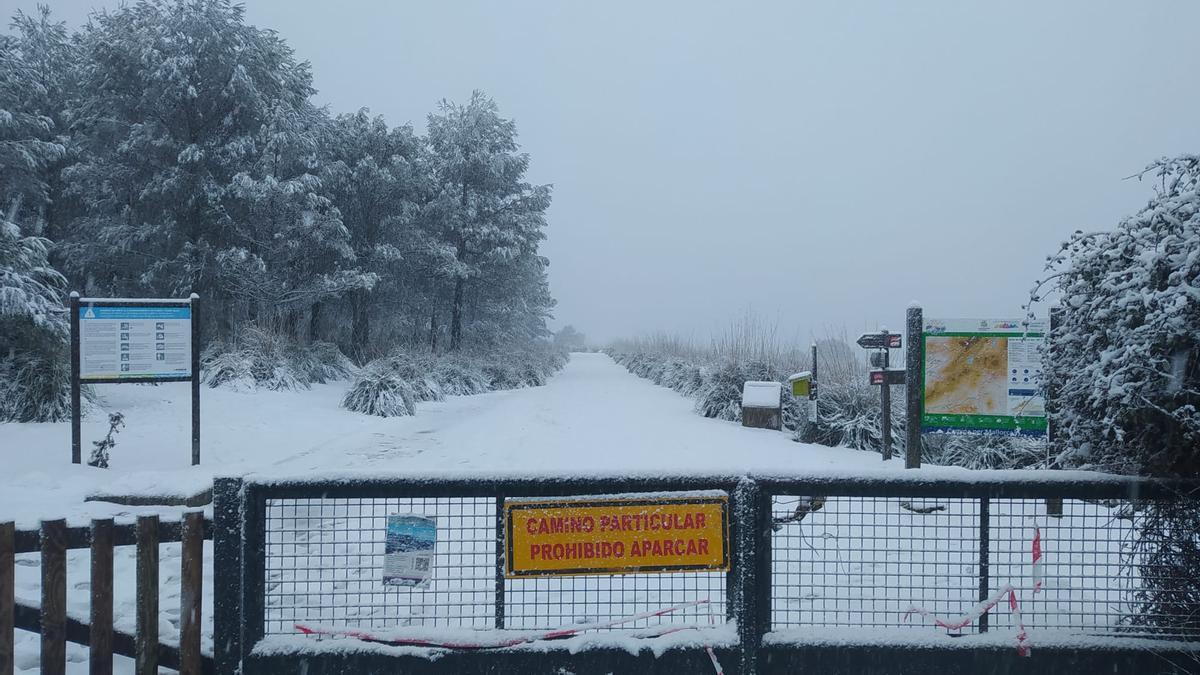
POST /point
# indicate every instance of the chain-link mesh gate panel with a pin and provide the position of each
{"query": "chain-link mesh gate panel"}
(863, 561)
(842, 561)
(324, 565)
(325, 560)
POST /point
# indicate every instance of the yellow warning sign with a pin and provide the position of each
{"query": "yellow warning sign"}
(616, 536)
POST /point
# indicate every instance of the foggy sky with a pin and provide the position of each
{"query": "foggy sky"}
(821, 163)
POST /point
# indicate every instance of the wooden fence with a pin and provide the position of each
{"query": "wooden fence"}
(53, 540)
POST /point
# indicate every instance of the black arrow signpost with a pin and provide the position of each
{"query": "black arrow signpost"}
(884, 377)
(881, 340)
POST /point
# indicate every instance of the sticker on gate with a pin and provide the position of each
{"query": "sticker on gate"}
(616, 536)
(408, 551)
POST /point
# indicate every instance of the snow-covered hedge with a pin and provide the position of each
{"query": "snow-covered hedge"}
(1124, 361)
(260, 359)
(848, 407)
(392, 385)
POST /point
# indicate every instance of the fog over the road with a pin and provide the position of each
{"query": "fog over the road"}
(822, 162)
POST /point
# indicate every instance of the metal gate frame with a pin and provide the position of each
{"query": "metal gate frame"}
(239, 575)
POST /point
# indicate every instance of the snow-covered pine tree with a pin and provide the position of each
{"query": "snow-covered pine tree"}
(1124, 363)
(34, 70)
(377, 177)
(176, 95)
(483, 209)
(34, 370)
(290, 249)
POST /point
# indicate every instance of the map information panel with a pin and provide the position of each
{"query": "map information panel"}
(119, 342)
(983, 376)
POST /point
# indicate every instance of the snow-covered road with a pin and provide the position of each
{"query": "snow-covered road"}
(592, 417)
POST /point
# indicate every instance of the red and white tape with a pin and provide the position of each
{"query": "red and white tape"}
(1037, 560)
(979, 610)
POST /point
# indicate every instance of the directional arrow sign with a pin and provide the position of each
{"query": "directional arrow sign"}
(879, 341)
(890, 376)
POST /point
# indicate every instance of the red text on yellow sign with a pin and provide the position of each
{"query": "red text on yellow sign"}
(619, 536)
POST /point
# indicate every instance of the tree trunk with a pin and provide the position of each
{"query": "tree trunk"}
(456, 315)
(314, 322)
(433, 330)
(361, 324)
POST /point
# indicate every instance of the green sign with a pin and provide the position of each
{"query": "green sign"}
(982, 376)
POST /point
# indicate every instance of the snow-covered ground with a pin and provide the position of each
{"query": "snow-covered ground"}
(593, 417)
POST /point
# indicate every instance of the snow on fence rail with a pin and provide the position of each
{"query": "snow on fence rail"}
(823, 553)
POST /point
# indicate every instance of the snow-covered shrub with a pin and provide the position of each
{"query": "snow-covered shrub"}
(501, 376)
(259, 359)
(1123, 374)
(459, 377)
(35, 388)
(986, 452)
(417, 370)
(379, 390)
(1123, 365)
(1168, 551)
(848, 414)
(102, 448)
(321, 362)
(262, 359)
(392, 385)
(35, 384)
(720, 396)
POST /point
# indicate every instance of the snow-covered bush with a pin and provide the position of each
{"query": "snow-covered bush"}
(392, 385)
(417, 370)
(720, 396)
(35, 387)
(459, 377)
(35, 376)
(986, 452)
(257, 360)
(848, 414)
(321, 362)
(262, 359)
(379, 390)
(1123, 374)
(1123, 366)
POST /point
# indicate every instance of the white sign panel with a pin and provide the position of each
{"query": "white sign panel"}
(134, 341)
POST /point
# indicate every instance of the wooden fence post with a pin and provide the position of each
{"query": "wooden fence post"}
(54, 597)
(8, 580)
(100, 637)
(192, 580)
(146, 640)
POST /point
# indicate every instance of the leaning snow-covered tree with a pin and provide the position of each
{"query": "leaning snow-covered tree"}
(1124, 362)
(34, 376)
(1124, 375)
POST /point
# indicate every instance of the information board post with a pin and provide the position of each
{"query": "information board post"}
(194, 301)
(134, 340)
(76, 431)
(914, 321)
